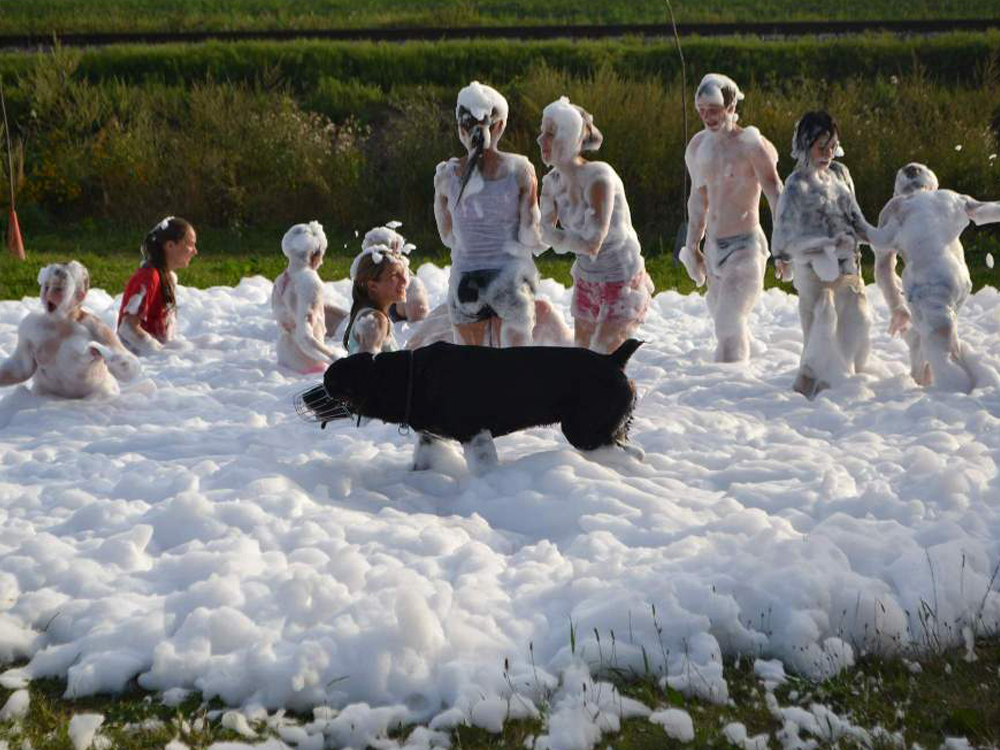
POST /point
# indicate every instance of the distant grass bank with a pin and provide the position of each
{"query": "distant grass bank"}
(69, 16)
(880, 704)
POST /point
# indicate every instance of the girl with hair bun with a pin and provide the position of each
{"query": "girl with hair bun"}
(584, 211)
(147, 317)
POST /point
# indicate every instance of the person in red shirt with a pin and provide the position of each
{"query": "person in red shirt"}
(148, 311)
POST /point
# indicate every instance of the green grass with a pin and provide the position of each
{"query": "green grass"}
(66, 16)
(946, 696)
(224, 257)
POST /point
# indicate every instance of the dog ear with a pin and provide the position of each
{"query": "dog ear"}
(348, 377)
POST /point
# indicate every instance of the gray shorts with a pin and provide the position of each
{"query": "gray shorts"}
(507, 293)
(720, 249)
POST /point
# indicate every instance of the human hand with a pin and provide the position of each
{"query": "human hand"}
(783, 270)
(844, 242)
(694, 264)
(899, 322)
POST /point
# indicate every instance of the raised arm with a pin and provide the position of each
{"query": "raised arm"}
(20, 365)
(982, 212)
(443, 175)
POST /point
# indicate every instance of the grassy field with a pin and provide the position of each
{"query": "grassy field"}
(224, 257)
(920, 701)
(67, 16)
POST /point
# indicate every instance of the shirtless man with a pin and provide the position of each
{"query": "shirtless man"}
(730, 166)
(297, 301)
(67, 349)
(922, 223)
(486, 208)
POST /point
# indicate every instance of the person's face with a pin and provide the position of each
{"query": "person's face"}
(547, 139)
(179, 253)
(54, 293)
(390, 286)
(467, 128)
(714, 116)
(316, 259)
(822, 151)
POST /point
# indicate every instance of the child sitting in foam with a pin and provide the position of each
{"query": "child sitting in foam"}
(922, 223)
(379, 276)
(584, 211)
(297, 301)
(67, 349)
(147, 318)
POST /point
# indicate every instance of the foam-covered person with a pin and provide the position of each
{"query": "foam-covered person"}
(297, 301)
(148, 314)
(817, 234)
(486, 208)
(922, 224)
(730, 166)
(379, 277)
(584, 211)
(550, 329)
(65, 348)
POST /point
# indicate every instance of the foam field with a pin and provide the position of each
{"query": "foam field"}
(195, 533)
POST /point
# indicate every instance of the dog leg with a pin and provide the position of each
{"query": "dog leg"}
(423, 452)
(480, 453)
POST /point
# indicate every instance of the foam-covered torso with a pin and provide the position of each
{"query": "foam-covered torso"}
(619, 258)
(721, 162)
(64, 363)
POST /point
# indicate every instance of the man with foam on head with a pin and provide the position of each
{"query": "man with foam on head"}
(485, 205)
(923, 223)
(297, 301)
(817, 231)
(730, 166)
(68, 350)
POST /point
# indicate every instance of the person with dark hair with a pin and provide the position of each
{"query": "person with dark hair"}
(730, 166)
(66, 349)
(923, 224)
(147, 316)
(379, 277)
(486, 208)
(584, 212)
(817, 232)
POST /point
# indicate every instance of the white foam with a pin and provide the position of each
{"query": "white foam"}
(196, 535)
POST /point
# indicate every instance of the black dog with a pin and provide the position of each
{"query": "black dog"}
(464, 392)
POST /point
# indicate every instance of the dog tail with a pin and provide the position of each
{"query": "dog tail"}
(623, 353)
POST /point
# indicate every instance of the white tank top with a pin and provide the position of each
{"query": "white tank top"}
(485, 223)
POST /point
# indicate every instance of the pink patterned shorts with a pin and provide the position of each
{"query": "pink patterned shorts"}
(624, 301)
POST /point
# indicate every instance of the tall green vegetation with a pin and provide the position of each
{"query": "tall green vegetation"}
(265, 153)
(68, 16)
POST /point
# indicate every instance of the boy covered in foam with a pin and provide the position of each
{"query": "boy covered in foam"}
(817, 231)
(730, 166)
(297, 301)
(584, 211)
(67, 349)
(922, 223)
(486, 208)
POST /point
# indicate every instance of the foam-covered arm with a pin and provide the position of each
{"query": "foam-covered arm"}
(370, 331)
(20, 365)
(529, 229)
(549, 214)
(310, 307)
(764, 160)
(139, 340)
(443, 175)
(982, 212)
(120, 361)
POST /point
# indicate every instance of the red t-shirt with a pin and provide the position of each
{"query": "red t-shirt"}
(154, 317)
